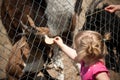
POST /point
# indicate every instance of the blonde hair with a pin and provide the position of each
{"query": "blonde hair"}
(89, 45)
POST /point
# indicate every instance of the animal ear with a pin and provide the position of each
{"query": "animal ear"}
(33, 28)
(107, 36)
(40, 30)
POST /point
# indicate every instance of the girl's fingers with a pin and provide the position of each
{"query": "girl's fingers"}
(56, 38)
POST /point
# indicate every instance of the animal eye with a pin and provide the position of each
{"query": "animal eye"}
(96, 45)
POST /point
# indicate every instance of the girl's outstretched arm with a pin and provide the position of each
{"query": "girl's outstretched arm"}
(66, 49)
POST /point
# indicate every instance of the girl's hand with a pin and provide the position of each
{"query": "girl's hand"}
(112, 8)
(58, 40)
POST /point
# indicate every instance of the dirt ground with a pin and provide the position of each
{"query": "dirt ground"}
(5, 47)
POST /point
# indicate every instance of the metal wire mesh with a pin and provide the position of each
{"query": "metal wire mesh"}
(27, 54)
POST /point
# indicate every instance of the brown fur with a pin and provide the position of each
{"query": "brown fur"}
(12, 11)
(19, 56)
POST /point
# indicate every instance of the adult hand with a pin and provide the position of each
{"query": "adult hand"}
(112, 8)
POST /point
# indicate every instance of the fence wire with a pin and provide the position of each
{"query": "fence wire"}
(24, 54)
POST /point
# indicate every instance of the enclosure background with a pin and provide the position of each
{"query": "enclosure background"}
(5, 47)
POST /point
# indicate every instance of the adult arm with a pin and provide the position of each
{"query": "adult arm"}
(112, 8)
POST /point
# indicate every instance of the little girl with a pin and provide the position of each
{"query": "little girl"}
(89, 50)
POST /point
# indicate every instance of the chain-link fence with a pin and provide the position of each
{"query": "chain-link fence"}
(24, 54)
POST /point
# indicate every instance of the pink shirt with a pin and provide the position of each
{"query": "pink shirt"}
(89, 72)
